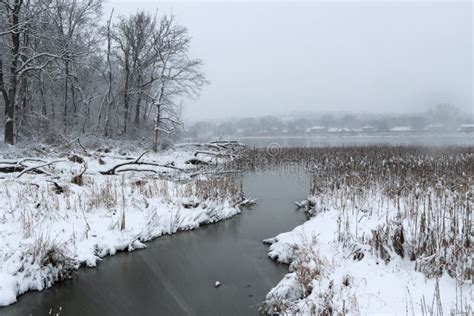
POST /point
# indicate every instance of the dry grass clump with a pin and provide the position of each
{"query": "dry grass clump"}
(46, 251)
(191, 193)
(215, 188)
(48, 259)
(152, 188)
(308, 266)
(103, 195)
(312, 291)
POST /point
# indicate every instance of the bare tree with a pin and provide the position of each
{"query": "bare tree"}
(57, 79)
(177, 75)
(18, 18)
(74, 21)
(108, 99)
(133, 35)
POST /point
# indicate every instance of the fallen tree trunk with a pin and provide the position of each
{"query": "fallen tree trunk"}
(22, 168)
(113, 170)
(34, 168)
(11, 169)
(17, 168)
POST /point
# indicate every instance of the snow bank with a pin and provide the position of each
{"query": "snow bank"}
(338, 279)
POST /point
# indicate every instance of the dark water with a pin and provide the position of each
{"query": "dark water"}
(176, 274)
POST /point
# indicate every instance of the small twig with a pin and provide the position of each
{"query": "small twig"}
(79, 142)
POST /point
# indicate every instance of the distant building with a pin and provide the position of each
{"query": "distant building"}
(369, 129)
(338, 130)
(401, 129)
(466, 128)
(315, 129)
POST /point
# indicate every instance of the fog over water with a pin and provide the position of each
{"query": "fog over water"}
(278, 57)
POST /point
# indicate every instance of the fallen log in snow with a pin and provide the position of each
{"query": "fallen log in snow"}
(21, 167)
(114, 169)
(33, 168)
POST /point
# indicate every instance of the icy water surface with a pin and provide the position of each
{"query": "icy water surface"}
(175, 275)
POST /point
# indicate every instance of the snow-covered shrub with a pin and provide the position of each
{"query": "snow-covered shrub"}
(37, 265)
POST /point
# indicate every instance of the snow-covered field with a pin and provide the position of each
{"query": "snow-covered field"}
(70, 215)
(390, 232)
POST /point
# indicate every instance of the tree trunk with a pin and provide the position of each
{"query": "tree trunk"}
(9, 111)
(158, 116)
(137, 110)
(44, 110)
(66, 90)
(157, 127)
(109, 79)
(126, 96)
(139, 101)
(10, 103)
(74, 105)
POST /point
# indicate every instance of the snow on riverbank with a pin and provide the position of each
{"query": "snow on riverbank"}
(51, 224)
(336, 280)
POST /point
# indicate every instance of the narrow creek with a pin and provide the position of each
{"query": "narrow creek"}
(175, 275)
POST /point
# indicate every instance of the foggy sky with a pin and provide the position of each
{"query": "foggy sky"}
(278, 57)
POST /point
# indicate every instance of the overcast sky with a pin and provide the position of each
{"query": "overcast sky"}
(277, 57)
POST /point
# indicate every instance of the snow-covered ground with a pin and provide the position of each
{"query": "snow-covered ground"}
(53, 223)
(342, 283)
(332, 270)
